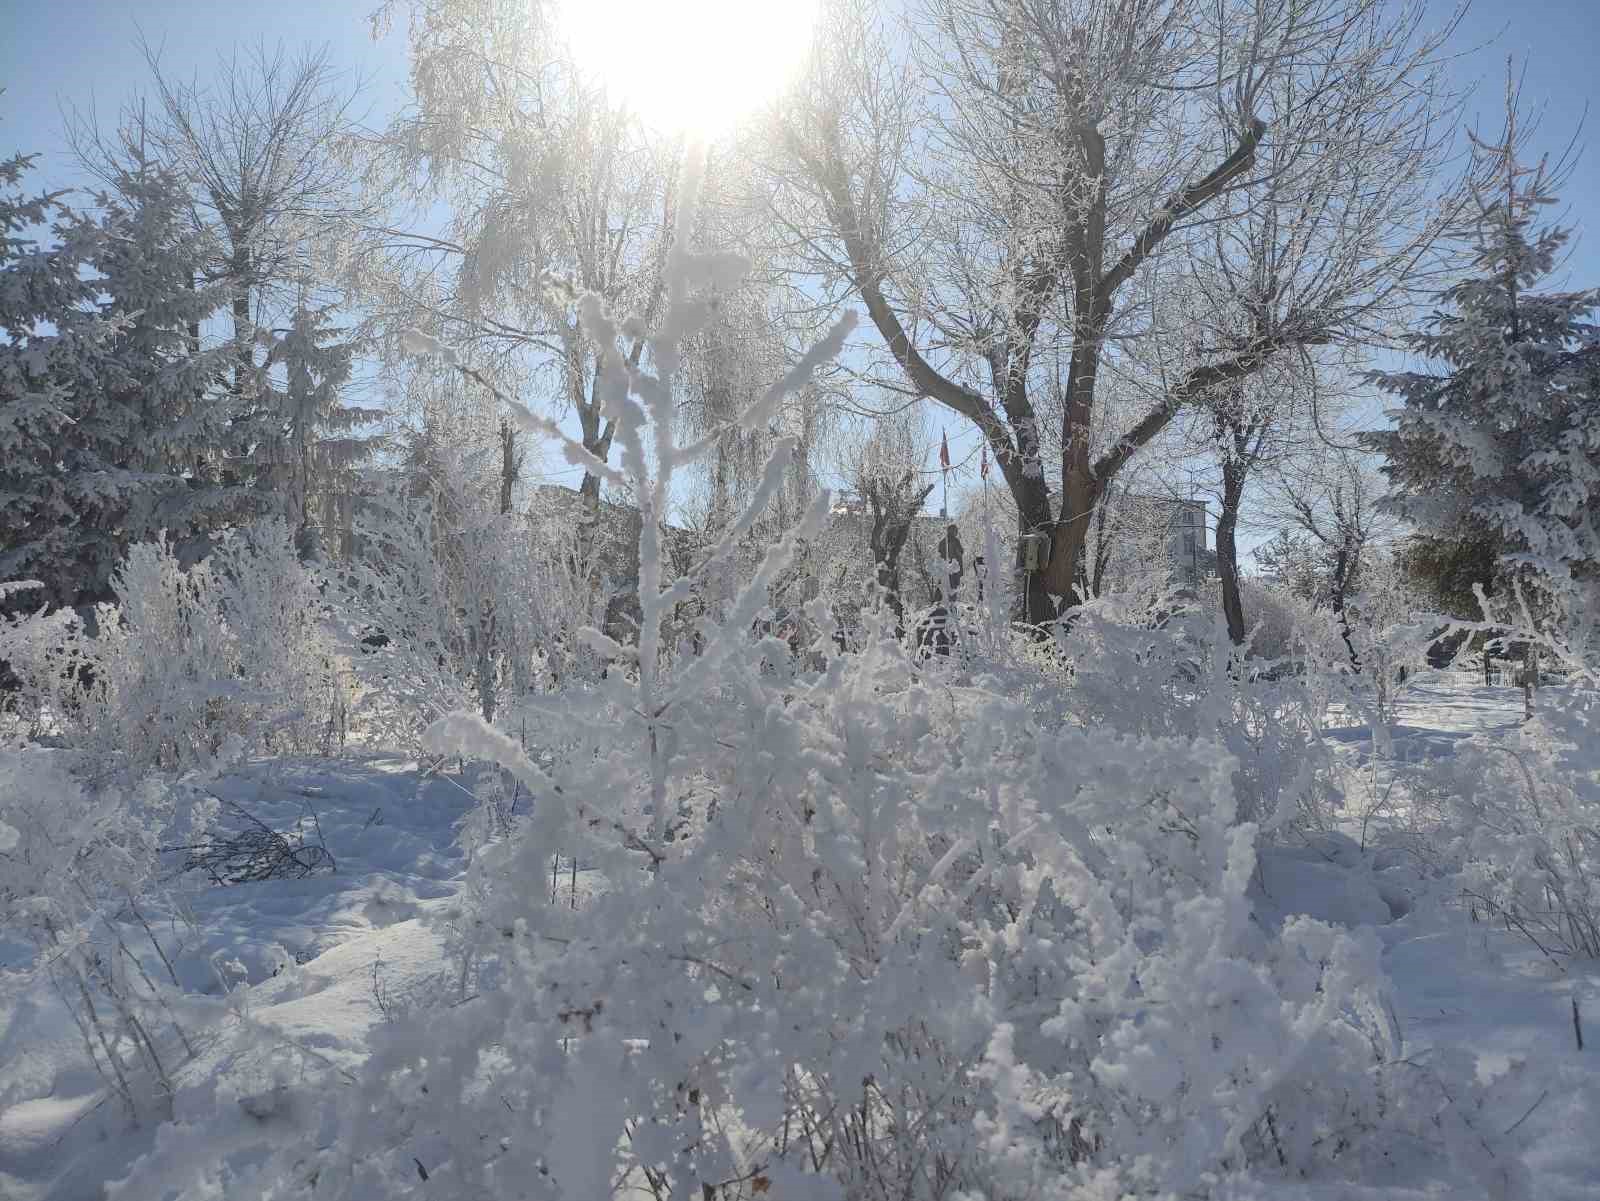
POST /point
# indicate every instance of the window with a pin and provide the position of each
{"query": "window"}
(1188, 542)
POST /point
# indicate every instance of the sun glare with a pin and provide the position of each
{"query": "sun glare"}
(691, 66)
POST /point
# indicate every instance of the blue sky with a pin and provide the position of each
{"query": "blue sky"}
(83, 52)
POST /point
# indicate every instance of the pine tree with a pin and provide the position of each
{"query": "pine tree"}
(311, 435)
(1503, 445)
(45, 337)
(152, 412)
(112, 414)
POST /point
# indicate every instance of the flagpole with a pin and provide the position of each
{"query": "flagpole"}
(944, 470)
(984, 474)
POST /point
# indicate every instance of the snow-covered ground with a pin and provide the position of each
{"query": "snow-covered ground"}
(308, 965)
(1459, 987)
(294, 974)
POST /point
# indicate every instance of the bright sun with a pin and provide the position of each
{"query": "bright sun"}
(691, 66)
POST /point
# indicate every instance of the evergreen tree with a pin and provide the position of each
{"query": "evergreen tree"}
(45, 338)
(1290, 558)
(1450, 570)
(152, 414)
(111, 413)
(1502, 446)
(312, 436)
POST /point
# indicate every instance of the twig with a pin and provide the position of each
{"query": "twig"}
(1529, 1114)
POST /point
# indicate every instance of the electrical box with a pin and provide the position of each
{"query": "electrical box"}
(1035, 551)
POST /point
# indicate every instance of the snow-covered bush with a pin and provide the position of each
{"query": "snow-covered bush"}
(477, 608)
(231, 646)
(1519, 814)
(1526, 830)
(889, 952)
(37, 672)
(859, 930)
(1171, 672)
(1271, 616)
(76, 864)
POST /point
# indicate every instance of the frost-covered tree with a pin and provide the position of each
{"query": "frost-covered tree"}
(1247, 422)
(728, 365)
(1004, 186)
(887, 473)
(255, 146)
(1335, 505)
(44, 336)
(318, 436)
(1292, 561)
(1500, 443)
(131, 442)
(553, 190)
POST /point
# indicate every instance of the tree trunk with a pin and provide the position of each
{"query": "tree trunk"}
(1341, 582)
(1527, 681)
(1104, 531)
(596, 440)
(1038, 605)
(243, 328)
(1227, 549)
(1033, 516)
(510, 464)
(1080, 493)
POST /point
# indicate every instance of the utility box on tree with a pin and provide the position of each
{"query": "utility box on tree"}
(1035, 551)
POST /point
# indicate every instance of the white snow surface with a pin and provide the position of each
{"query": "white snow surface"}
(292, 973)
(298, 972)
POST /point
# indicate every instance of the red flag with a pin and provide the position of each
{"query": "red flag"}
(944, 451)
(983, 463)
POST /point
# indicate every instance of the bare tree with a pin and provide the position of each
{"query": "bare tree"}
(553, 188)
(1252, 427)
(1004, 195)
(1337, 506)
(885, 471)
(258, 145)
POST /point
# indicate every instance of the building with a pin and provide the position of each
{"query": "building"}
(1130, 533)
(1186, 524)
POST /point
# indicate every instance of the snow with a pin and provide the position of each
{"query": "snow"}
(1459, 985)
(294, 975)
(309, 964)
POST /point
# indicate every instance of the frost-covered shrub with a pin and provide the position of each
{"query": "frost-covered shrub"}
(901, 941)
(233, 646)
(1175, 674)
(476, 608)
(76, 864)
(1520, 814)
(860, 928)
(1272, 615)
(37, 669)
(1519, 826)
